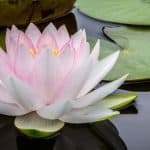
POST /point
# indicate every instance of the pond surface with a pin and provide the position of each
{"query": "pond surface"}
(129, 131)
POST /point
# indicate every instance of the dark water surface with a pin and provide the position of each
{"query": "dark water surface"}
(129, 131)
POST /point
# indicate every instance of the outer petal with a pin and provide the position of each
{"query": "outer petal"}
(56, 110)
(33, 33)
(88, 115)
(23, 94)
(11, 109)
(99, 71)
(99, 94)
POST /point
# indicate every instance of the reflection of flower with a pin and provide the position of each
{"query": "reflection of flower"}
(53, 74)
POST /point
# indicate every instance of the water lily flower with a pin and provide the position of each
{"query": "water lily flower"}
(53, 74)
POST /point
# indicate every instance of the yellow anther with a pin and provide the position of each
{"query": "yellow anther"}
(33, 51)
(55, 52)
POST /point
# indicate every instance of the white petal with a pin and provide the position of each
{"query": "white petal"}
(56, 110)
(100, 93)
(73, 82)
(96, 51)
(99, 71)
(89, 115)
(11, 109)
(23, 94)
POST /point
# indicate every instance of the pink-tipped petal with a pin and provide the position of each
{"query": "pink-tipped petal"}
(51, 28)
(15, 32)
(23, 58)
(33, 33)
(63, 35)
(47, 41)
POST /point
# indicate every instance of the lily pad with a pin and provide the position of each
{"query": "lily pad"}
(117, 101)
(34, 126)
(135, 53)
(119, 11)
(134, 46)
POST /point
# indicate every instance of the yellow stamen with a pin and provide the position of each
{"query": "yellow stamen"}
(55, 52)
(33, 51)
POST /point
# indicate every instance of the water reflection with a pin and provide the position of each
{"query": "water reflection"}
(98, 136)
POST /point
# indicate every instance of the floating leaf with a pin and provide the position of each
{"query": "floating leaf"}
(135, 55)
(135, 52)
(120, 11)
(34, 126)
(117, 101)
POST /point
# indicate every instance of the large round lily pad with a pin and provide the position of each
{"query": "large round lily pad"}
(134, 58)
(120, 11)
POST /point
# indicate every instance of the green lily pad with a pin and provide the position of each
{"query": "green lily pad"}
(135, 54)
(34, 126)
(117, 101)
(119, 11)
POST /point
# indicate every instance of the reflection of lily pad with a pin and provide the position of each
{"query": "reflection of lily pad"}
(135, 55)
(34, 126)
(120, 11)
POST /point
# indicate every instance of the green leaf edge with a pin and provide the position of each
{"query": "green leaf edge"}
(129, 97)
(35, 133)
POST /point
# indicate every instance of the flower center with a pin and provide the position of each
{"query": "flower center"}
(33, 51)
(55, 52)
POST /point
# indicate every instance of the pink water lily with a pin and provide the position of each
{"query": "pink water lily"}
(53, 74)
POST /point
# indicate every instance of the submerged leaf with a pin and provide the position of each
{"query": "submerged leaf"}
(34, 126)
(120, 11)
